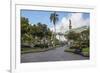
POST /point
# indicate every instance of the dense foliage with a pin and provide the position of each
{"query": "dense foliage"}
(32, 35)
(79, 40)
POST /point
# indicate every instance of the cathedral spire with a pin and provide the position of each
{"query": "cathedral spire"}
(70, 26)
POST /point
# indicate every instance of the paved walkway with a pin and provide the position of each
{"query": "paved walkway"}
(53, 55)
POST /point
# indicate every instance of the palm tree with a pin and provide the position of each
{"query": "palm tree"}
(54, 19)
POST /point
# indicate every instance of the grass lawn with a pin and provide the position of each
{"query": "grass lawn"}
(34, 50)
(85, 51)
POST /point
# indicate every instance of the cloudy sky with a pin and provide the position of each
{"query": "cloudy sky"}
(77, 19)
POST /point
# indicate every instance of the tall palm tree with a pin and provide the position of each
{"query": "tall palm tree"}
(54, 19)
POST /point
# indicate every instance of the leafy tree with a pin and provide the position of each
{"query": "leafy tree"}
(80, 39)
(85, 37)
(72, 35)
(37, 34)
(26, 36)
(24, 28)
(24, 25)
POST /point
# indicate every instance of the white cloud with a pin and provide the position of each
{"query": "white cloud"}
(76, 21)
(61, 26)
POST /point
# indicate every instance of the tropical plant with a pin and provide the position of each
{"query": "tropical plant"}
(54, 19)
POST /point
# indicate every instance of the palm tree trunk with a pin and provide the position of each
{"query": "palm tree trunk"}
(54, 35)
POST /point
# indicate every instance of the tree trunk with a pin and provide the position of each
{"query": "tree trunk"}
(54, 35)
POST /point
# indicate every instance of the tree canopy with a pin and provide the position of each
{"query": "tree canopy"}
(32, 33)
